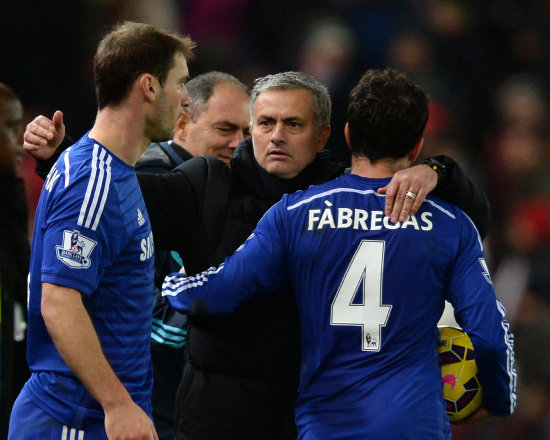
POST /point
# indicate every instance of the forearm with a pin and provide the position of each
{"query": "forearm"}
(73, 333)
(257, 268)
(211, 292)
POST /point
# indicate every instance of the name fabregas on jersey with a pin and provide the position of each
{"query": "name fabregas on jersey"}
(355, 218)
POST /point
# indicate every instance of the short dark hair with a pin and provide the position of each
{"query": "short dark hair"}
(130, 50)
(201, 88)
(387, 114)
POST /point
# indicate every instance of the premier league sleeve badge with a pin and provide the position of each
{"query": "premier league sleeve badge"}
(75, 250)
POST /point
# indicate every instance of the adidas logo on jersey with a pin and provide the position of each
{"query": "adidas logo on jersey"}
(141, 219)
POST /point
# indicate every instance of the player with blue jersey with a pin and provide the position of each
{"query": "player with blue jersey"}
(92, 227)
(91, 272)
(370, 292)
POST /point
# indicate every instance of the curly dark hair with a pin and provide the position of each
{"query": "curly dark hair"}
(387, 114)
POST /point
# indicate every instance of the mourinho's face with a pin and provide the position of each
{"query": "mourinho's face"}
(11, 134)
(284, 132)
(173, 97)
(222, 125)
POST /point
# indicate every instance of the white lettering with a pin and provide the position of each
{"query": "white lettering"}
(360, 219)
(147, 247)
(411, 221)
(53, 175)
(313, 217)
(388, 224)
(425, 218)
(326, 219)
(376, 220)
(344, 217)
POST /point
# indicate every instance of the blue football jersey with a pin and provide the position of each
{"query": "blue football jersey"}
(92, 234)
(369, 294)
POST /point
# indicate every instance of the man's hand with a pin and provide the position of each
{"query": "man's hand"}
(480, 414)
(43, 135)
(417, 181)
(129, 422)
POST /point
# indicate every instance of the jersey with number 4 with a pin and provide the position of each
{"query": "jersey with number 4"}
(92, 234)
(369, 294)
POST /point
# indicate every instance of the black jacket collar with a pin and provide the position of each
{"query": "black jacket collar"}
(249, 173)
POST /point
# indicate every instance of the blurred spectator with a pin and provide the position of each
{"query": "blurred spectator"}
(14, 256)
(516, 151)
(412, 52)
(161, 13)
(328, 54)
(522, 282)
(527, 242)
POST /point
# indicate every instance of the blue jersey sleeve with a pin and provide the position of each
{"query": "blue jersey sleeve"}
(80, 227)
(262, 258)
(481, 315)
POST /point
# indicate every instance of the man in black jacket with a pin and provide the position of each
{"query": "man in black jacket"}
(213, 124)
(241, 371)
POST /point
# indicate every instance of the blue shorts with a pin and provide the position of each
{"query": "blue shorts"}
(30, 422)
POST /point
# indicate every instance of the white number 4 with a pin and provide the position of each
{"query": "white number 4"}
(366, 266)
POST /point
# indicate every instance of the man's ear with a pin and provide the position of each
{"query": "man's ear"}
(346, 135)
(149, 86)
(416, 150)
(324, 134)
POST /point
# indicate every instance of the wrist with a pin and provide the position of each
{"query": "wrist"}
(440, 168)
(116, 400)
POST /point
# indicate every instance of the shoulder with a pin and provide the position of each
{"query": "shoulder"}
(90, 173)
(457, 221)
(325, 168)
(313, 192)
(446, 209)
(204, 168)
(154, 159)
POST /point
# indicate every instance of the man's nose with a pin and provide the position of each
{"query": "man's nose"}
(236, 139)
(277, 135)
(185, 98)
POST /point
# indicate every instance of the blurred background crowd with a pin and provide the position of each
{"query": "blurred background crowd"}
(485, 64)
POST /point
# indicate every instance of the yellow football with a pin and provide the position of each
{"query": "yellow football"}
(461, 386)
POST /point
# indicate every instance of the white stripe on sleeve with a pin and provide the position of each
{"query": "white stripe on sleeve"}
(89, 188)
